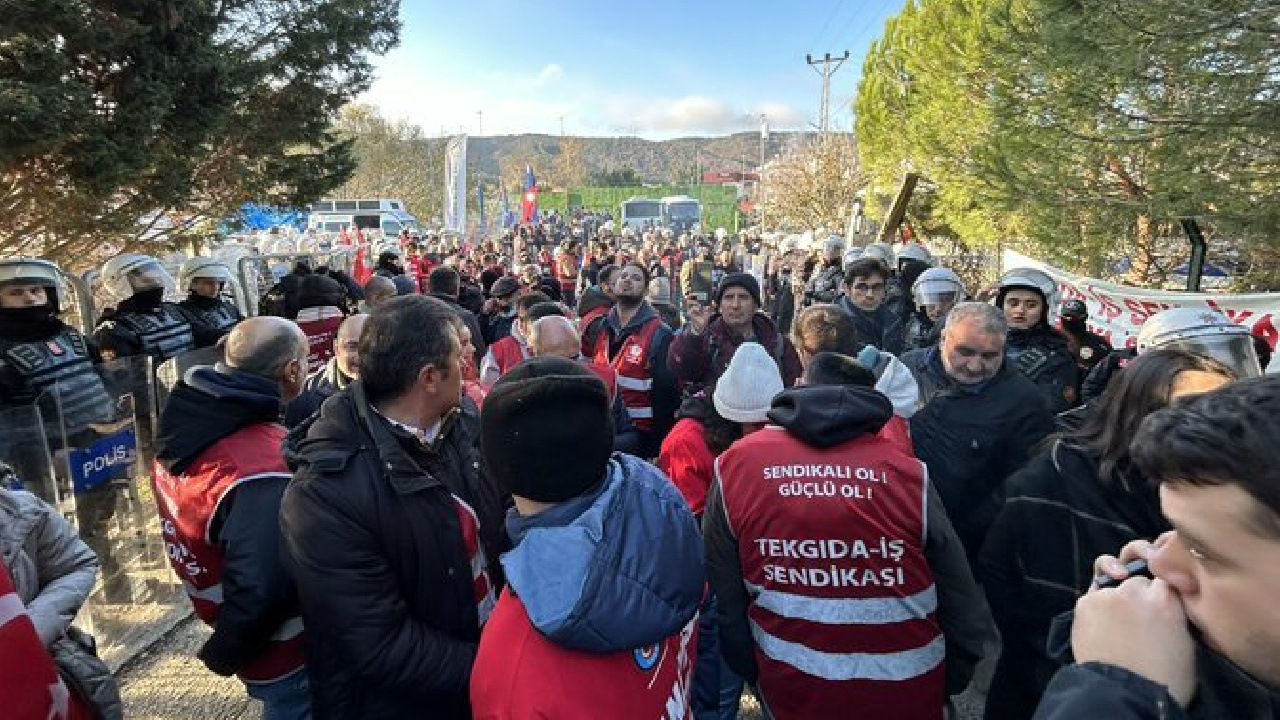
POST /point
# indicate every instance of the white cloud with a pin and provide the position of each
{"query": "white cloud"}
(694, 114)
(549, 73)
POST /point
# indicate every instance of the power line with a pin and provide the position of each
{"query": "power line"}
(829, 67)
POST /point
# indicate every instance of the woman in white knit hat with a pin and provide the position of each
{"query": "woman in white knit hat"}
(707, 424)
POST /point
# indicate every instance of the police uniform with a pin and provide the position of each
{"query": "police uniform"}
(216, 314)
(162, 332)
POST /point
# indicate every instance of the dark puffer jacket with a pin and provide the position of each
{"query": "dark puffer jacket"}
(973, 437)
(373, 538)
(1041, 353)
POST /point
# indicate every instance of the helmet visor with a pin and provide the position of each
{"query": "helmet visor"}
(936, 295)
(148, 276)
(1235, 351)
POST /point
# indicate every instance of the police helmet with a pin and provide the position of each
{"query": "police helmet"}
(1030, 279)
(128, 274)
(1203, 332)
(1074, 310)
(916, 252)
(33, 271)
(202, 268)
(938, 285)
(881, 252)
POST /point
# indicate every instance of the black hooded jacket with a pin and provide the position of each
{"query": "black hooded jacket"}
(372, 535)
(823, 416)
(257, 593)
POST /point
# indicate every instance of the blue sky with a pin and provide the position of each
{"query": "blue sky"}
(656, 69)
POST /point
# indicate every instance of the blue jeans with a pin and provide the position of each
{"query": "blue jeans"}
(288, 698)
(717, 690)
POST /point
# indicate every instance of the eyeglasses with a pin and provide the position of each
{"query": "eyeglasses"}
(868, 288)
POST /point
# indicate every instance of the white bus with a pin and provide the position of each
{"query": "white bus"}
(682, 214)
(641, 213)
(386, 214)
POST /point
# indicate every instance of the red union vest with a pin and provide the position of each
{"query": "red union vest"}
(589, 333)
(187, 505)
(321, 333)
(608, 375)
(843, 603)
(507, 353)
(635, 376)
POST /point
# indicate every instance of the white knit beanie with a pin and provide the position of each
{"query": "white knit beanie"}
(747, 387)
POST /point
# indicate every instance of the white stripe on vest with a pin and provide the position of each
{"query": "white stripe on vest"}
(846, 611)
(841, 667)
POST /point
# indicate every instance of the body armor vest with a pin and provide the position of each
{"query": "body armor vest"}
(163, 333)
(62, 367)
(221, 316)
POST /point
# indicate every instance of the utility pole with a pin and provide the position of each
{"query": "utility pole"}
(479, 123)
(562, 127)
(829, 67)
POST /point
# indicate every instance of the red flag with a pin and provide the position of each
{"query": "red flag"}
(359, 236)
(360, 269)
(344, 238)
(33, 688)
(529, 206)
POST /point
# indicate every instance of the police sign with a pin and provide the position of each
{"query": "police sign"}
(105, 459)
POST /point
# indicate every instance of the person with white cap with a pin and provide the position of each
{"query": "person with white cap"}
(708, 423)
(839, 580)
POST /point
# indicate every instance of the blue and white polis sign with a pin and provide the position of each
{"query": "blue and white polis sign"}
(105, 459)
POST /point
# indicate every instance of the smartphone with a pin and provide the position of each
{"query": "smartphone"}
(1136, 568)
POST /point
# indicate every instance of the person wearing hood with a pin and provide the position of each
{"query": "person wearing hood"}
(614, 635)
(708, 423)
(840, 582)
(826, 328)
(701, 351)
(391, 529)
(219, 478)
(1035, 348)
(865, 284)
(634, 341)
(824, 284)
(144, 323)
(336, 375)
(322, 306)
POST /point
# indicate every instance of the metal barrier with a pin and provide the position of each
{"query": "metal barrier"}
(259, 273)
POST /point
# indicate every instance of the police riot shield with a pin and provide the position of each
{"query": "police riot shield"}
(171, 371)
(259, 274)
(104, 465)
(26, 462)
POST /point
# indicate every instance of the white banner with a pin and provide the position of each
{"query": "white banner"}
(1116, 311)
(455, 184)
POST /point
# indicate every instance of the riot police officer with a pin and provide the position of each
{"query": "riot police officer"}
(1088, 348)
(1035, 347)
(205, 279)
(144, 324)
(49, 364)
(935, 292)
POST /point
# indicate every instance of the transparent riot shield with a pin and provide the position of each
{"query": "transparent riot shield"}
(259, 274)
(106, 465)
(26, 462)
(171, 371)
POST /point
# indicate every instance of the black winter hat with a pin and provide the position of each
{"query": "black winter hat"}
(320, 291)
(504, 286)
(546, 429)
(746, 281)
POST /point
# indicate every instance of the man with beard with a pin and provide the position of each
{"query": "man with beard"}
(634, 342)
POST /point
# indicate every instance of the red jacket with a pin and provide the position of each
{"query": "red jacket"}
(521, 675)
(842, 601)
(686, 459)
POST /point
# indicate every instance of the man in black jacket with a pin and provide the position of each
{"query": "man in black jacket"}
(980, 418)
(1201, 638)
(444, 283)
(390, 529)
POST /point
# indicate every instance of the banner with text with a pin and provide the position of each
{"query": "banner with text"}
(455, 184)
(1117, 311)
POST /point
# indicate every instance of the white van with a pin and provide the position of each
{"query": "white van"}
(386, 214)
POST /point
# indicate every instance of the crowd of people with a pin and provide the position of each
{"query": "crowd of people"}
(573, 474)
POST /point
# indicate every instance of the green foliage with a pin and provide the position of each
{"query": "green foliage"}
(621, 177)
(1082, 129)
(393, 159)
(119, 110)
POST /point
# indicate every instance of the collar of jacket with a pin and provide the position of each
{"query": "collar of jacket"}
(643, 314)
(405, 474)
(761, 325)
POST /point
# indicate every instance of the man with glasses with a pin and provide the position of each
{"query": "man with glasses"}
(980, 417)
(865, 283)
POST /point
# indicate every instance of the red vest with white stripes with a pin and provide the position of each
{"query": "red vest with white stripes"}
(843, 605)
(507, 353)
(635, 375)
(320, 336)
(188, 504)
(608, 375)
